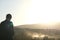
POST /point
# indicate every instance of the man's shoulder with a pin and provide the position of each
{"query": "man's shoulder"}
(11, 22)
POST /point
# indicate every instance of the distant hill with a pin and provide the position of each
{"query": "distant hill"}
(39, 26)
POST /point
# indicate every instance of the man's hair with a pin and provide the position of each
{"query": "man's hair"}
(8, 16)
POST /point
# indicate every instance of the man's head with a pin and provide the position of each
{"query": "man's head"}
(8, 17)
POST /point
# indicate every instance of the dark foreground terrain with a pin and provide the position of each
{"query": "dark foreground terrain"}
(36, 34)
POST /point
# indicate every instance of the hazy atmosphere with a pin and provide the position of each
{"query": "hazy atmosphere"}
(45, 12)
(32, 19)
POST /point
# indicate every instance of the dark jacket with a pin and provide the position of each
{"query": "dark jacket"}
(6, 29)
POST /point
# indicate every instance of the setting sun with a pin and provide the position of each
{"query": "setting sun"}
(38, 11)
(32, 11)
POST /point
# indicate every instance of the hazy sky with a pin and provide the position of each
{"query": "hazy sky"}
(31, 11)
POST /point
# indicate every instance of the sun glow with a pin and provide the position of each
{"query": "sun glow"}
(35, 35)
(38, 11)
(42, 36)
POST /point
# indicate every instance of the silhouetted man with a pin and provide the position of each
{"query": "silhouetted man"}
(6, 29)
